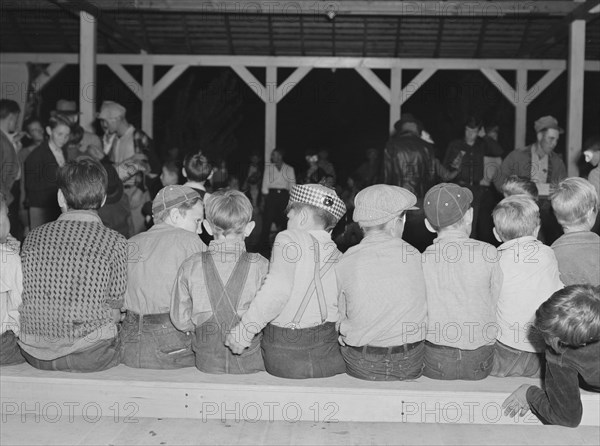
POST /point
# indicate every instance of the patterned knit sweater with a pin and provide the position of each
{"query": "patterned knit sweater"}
(74, 273)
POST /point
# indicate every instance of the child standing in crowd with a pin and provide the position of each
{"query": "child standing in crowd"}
(517, 186)
(298, 301)
(530, 276)
(383, 305)
(11, 287)
(197, 171)
(74, 279)
(575, 204)
(463, 280)
(214, 288)
(570, 324)
(148, 338)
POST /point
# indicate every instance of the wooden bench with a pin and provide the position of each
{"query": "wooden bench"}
(125, 393)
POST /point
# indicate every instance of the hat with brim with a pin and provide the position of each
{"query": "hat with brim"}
(380, 203)
(319, 196)
(547, 122)
(65, 107)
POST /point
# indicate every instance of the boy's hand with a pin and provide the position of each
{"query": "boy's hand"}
(235, 347)
(517, 403)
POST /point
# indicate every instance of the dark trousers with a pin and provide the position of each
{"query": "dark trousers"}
(384, 363)
(100, 356)
(509, 361)
(16, 228)
(275, 203)
(448, 363)
(10, 353)
(151, 341)
(302, 353)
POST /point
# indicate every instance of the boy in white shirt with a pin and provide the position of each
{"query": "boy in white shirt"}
(530, 277)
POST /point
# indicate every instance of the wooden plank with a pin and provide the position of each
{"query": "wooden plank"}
(270, 111)
(521, 103)
(575, 95)
(126, 78)
(375, 82)
(87, 70)
(542, 84)
(293, 79)
(43, 78)
(169, 77)
(255, 85)
(416, 83)
(147, 98)
(500, 83)
(395, 96)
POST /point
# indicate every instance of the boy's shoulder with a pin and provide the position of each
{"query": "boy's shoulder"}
(583, 239)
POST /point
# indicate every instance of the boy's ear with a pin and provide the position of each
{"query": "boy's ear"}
(62, 202)
(249, 228)
(103, 201)
(536, 231)
(174, 215)
(303, 216)
(497, 235)
(183, 172)
(429, 227)
(469, 216)
(208, 227)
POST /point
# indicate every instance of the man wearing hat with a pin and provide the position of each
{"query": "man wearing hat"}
(539, 163)
(409, 162)
(132, 153)
(298, 303)
(90, 142)
(382, 291)
(463, 281)
(149, 339)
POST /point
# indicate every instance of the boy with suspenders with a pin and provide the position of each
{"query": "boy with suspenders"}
(298, 301)
(214, 288)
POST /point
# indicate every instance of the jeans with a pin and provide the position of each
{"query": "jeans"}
(153, 342)
(10, 353)
(302, 353)
(376, 364)
(100, 356)
(448, 363)
(512, 362)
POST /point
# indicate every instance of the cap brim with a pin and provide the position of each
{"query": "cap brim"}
(412, 208)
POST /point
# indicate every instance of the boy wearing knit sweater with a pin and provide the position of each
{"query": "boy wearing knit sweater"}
(575, 204)
(215, 288)
(463, 280)
(74, 279)
(11, 286)
(298, 301)
(530, 276)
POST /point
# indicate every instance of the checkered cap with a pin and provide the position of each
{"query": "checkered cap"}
(319, 196)
(172, 196)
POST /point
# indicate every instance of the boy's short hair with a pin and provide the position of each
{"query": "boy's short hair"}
(8, 107)
(83, 183)
(572, 201)
(326, 218)
(197, 168)
(570, 317)
(228, 211)
(515, 185)
(516, 216)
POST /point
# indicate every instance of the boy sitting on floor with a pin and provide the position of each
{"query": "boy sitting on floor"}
(298, 301)
(148, 338)
(463, 280)
(383, 302)
(74, 279)
(575, 204)
(214, 288)
(530, 276)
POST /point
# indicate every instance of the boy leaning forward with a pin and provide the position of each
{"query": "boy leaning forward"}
(297, 304)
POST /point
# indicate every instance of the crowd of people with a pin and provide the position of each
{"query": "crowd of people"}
(121, 263)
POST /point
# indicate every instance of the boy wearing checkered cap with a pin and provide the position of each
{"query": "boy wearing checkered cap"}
(149, 338)
(382, 291)
(463, 280)
(298, 301)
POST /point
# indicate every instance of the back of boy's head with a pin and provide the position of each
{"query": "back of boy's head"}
(323, 202)
(515, 185)
(575, 202)
(446, 205)
(197, 168)
(178, 197)
(83, 183)
(570, 317)
(228, 211)
(516, 216)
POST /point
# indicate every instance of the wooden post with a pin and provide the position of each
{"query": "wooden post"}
(575, 94)
(147, 97)
(270, 99)
(521, 109)
(87, 69)
(395, 95)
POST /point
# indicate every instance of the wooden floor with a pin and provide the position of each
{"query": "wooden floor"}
(151, 431)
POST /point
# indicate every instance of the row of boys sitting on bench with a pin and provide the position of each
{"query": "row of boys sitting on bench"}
(87, 299)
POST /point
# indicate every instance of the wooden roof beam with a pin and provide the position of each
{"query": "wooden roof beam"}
(106, 25)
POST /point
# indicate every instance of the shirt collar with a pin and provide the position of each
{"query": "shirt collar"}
(81, 215)
(227, 245)
(521, 240)
(451, 234)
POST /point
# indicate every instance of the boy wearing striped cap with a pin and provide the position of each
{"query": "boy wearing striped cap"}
(298, 301)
